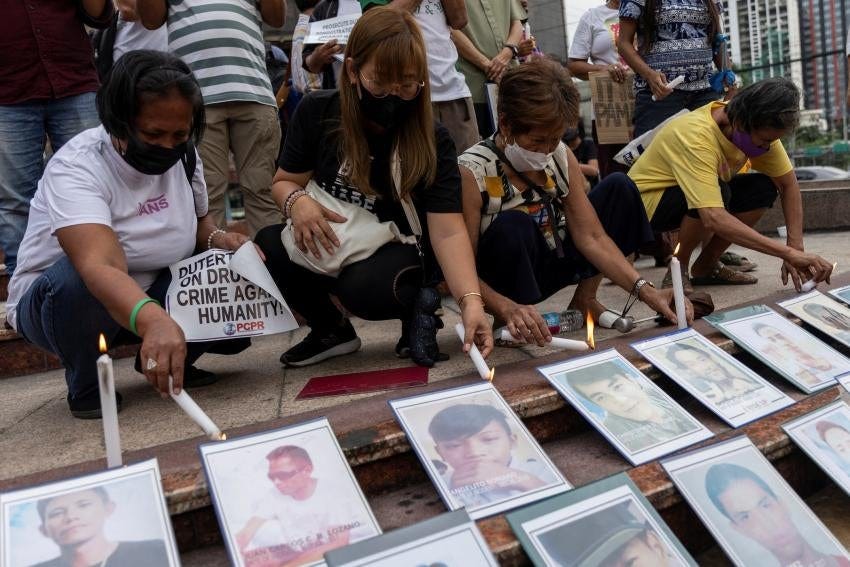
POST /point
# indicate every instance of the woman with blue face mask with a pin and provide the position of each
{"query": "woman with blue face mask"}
(534, 229)
(689, 180)
(116, 206)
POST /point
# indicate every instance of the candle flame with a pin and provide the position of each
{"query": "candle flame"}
(676, 250)
(590, 341)
(491, 374)
(222, 437)
(101, 343)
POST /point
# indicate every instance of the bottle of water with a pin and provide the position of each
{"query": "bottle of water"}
(564, 322)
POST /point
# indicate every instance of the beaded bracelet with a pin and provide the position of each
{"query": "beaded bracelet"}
(135, 312)
(212, 234)
(290, 201)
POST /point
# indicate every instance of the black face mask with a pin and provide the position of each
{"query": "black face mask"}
(386, 112)
(151, 159)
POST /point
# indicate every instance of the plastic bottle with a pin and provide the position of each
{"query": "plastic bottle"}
(563, 322)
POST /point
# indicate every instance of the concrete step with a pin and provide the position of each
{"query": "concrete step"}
(826, 206)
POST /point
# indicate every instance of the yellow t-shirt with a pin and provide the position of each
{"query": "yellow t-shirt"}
(693, 153)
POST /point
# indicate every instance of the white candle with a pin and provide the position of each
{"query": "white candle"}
(474, 354)
(108, 407)
(557, 342)
(808, 286)
(678, 291)
(194, 411)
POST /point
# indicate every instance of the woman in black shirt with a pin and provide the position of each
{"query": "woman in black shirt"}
(344, 141)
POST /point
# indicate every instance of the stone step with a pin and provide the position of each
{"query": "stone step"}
(826, 206)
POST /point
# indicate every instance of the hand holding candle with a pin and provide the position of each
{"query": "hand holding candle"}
(480, 365)
(812, 284)
(559, 342)
(108, 406)
(194, 411)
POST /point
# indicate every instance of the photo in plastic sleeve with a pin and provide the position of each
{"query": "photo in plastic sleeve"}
(115, 518)
(823, 313)
(477, 452)
(750, 510)
(285, 497)
(723, 384)
(449, 540)
(788, 349)
(608, 523)
(824, 435)
(629, 409)
(841, 294)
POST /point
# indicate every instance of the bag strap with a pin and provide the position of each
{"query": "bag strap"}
(191, 162)
(406, 201)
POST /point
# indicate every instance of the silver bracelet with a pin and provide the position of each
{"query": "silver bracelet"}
(212, 234)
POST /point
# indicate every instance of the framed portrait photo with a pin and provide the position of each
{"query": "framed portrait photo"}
(115, 518)
(823, 313)
(477, 452)
(450, 539)
(607, 523)
(749, 508)
(788, 349)
(824, 435)
(723, 384)
(629, 409)
(286, 497)
(841, 293)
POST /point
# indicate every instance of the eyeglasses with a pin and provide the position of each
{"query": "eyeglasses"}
(284, 475)
(407, 91)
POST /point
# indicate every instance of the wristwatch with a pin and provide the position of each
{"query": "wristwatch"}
(514, 49)
(639, 284)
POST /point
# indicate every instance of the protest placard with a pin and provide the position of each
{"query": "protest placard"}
(220, 294)
(613, 105)
(333, 28)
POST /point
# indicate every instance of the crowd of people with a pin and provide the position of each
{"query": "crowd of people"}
(497, 199)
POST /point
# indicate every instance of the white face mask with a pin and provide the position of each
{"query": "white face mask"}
(526, 160)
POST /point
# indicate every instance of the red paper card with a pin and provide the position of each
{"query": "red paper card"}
(361, 382)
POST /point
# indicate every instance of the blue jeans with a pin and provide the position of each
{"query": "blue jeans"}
(23, 128)
(649, 113)
(60, 315)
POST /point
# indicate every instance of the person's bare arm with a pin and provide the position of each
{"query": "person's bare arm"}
(98, 10)
(580, 68)
(468, 51)
(626, 45)
(591, 168)
(246, 534)
(456, 15)
(597, 247)
(273, 12)
(96, 254)
(152, 13)
(500, 62)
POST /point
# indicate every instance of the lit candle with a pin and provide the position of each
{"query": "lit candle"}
(194, 411)
(475, 354)
(678, 290)
(108, 406)
(591, 340)
(812, 284)
(557, 342)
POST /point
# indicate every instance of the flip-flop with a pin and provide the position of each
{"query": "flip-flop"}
(737, 262)
(721, 275)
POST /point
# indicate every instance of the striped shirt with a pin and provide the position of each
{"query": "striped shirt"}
(222, 43)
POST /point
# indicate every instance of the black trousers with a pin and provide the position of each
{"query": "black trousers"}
(381, 287)
(515, 260)
(744, 193)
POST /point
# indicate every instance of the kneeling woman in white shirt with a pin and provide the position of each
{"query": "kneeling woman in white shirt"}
(116, 206)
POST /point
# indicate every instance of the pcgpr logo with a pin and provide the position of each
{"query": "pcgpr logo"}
(229, 329)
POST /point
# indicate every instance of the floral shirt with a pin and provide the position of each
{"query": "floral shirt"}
(681, 45)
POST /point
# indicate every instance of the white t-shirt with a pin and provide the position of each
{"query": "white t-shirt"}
(447, 83)
(304, 524)
(595, 37)
(130, 36)
(87, 182)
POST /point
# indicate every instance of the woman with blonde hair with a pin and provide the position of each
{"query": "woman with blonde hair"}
(343, 143)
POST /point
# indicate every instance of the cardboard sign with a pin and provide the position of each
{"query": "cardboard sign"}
(333, 28)
(613, 105)
(224, 295)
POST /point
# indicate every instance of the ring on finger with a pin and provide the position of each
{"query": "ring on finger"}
(150, 364)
